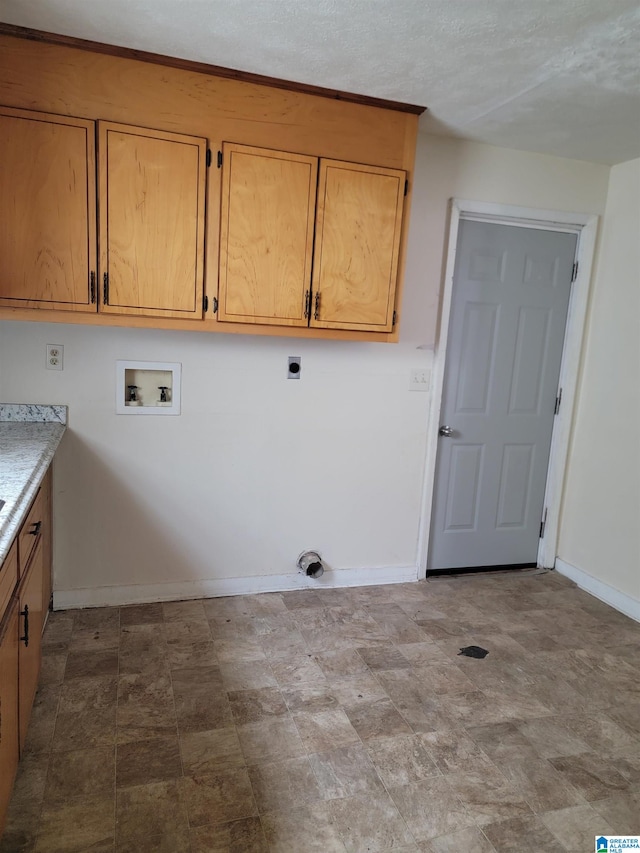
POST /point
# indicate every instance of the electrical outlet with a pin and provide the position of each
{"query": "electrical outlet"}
(55, 355)
(419, 379)
(294, 368)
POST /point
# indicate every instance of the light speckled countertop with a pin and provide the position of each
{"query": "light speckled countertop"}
(29, 437)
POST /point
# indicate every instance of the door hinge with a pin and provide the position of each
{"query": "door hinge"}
(208, 157)
(219, 159)
(215, 304)
(543, 524)
(574, 271)
(105, 289)
(395, 317)
(92, 286)
(205, 303)
(558, 402)
(406, 186)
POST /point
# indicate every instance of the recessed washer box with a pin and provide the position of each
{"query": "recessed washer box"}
(148, 387)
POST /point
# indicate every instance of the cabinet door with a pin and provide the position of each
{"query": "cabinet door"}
(266, 236)
(47, 542)
(8, 706)
(47, 199)
(355, 265)
(151, 221)
(31, 619)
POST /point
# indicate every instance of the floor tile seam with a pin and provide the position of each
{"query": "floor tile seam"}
(391, 700)
(557, 837)
(507, 785)
(38, 821)
(582, 801)
(485, 837)
(454, 794)
(330, 800)
(307, 750)
(254, 798)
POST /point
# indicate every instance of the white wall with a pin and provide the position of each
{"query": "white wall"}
(600, 526)
(258, 467)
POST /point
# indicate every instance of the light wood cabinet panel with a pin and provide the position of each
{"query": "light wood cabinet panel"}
(30, 645)
(358, 230)
(46, 490)
(31, 530)
(266, 236)
(9, 750)
(8, 577)
(151, 221)
(47, 199)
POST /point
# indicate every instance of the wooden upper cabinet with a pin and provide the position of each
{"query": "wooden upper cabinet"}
(151, 221)
(266, 236)
(47, 199)
(358, 229)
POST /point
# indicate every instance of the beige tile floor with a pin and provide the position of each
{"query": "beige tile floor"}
(336, 720)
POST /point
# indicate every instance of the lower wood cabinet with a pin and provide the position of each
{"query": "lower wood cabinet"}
(30, 646)
(25, 588)
(9, 736)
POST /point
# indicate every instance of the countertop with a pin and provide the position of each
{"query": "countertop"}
(29, 437)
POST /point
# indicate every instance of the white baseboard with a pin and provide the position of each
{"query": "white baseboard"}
(610, 595)
(103, 596)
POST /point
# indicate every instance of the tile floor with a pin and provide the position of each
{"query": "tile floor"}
(336, 720)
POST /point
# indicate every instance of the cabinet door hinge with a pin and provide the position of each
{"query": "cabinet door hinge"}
(558, 402)
(205, 303)
(92, 286)
(105, 289)
(406, 186)
(215, 304)
(219, 159)
(574, 272)
(208, 157)
(395, 317)
(543, 524)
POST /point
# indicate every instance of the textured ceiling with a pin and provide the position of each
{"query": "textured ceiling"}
(555, 76)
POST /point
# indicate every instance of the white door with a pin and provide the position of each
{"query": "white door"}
(508, 315)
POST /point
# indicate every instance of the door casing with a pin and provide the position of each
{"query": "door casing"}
(585, 226)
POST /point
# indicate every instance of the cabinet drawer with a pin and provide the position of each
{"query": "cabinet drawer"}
(30, 532)
(8, 577)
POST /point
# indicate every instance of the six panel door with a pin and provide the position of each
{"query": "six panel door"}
(151, 221)
(266, 236)
(358, 229)
(47, 198)
(506, 334)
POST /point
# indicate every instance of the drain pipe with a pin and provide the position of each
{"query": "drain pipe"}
(310, 564)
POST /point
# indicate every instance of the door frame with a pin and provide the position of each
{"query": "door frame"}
(585, 226)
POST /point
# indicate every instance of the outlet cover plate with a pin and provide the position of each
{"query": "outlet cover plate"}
(419, 379)
(55, 357)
